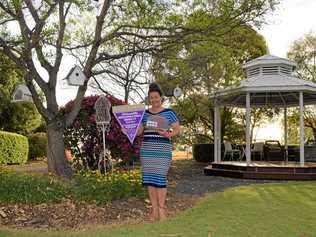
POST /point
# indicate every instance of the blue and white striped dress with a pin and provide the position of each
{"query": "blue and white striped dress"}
(156, 152)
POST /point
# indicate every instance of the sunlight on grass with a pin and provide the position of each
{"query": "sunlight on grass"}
(278, 210)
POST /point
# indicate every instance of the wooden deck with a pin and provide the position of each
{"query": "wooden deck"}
(263, 170)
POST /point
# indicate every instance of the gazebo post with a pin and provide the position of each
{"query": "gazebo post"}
(215, 132)
(248, 154)
(302, 157)
(285, 136)
(219, 142)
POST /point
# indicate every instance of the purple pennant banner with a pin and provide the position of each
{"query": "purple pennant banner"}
(129, 118)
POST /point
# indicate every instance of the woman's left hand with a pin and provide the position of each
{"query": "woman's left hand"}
(165, 133)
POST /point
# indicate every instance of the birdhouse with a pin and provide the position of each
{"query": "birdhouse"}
(102, 108)
(177, 92)
(76, 77)
(21, 93)
(173, 91)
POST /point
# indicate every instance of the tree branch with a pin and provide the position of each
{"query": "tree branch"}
(36, 98)
(9, 52)
(90, 62)
(32, 9)
(105, 56)
(97, 38)
(25, 31)
(7, 10)
(61, 32)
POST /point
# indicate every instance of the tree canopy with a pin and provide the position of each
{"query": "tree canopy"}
(200, 67)
(303, 52)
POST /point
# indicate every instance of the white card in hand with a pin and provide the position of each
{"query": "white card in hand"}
(157, 122)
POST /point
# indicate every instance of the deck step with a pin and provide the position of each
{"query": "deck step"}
(224, 172)
(273, 175)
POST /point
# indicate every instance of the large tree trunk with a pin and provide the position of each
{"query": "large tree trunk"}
(56, 157)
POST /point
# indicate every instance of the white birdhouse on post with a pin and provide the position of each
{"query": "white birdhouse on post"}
(76, 77)
(21, 94)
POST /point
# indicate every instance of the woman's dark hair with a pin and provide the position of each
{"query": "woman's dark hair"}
(154, 87)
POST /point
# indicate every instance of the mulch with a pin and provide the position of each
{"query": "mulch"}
(70, 215)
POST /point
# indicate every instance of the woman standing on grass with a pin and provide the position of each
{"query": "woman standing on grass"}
(156, 151)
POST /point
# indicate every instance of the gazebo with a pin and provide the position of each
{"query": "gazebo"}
(270, 81)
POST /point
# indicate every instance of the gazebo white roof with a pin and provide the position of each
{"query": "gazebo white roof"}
(268, 60)
(271, 81)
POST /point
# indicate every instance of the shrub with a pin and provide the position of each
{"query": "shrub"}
(85, 140)
(92, 186)
(14, 148)
(88, 186)
(21, 118)
(38, 145)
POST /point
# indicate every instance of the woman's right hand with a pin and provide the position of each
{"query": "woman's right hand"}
(140, 130)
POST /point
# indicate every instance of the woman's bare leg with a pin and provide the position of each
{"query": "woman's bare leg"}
(162, 194)
(153, 197)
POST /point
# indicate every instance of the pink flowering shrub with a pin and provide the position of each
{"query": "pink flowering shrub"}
(85, 140)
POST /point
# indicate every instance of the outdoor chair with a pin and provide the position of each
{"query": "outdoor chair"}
(257, 149)
(310, 150)
(229, 151)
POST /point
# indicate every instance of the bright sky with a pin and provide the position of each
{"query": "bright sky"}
(291, 20)
(271, 131)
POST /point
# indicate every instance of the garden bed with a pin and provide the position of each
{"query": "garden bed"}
(187, 184)
(62, 210)
(71, 215)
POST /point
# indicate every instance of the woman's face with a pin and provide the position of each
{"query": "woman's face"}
(155, 99)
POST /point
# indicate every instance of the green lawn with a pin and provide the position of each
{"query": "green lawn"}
(270, 210)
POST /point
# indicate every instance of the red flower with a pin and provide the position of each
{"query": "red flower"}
(110, 136)
(92, 118)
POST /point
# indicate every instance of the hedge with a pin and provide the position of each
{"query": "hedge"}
(14, 148)
(38, 145)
